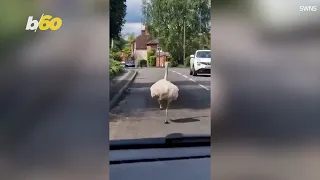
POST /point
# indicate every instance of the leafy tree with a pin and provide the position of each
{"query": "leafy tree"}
(166, 20)
(127, 51)
(127, 48)
(117, 14)
(117, 57)
(118, 44)
(131, 38)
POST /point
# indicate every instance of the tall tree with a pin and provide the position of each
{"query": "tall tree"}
(127, 47)
(131, 38)
(117, 14)
(165, 19)
(118, 44)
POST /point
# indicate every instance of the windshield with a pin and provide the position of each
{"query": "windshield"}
(145, 109)
(203, 54)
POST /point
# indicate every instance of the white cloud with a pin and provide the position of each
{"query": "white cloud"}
(132, 28)
(133, 17)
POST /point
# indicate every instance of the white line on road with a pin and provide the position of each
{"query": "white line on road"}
(176, 72)
(191, 80)
(204, 87)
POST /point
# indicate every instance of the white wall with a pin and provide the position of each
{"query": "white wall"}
(140, 54)
(133, 47)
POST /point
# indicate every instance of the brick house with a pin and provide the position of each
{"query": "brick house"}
(142, 44)
(161, 56)
(139, 46)
(153, 44)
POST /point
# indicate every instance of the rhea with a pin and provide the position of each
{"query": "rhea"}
(165, 92)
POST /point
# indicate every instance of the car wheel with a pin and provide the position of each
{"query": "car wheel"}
(190, 71)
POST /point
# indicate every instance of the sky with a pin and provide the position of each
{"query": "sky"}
(133, 17)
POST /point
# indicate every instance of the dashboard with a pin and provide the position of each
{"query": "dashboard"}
(188, 163)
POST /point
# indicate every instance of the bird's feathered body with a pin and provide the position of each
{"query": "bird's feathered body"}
(164, 91)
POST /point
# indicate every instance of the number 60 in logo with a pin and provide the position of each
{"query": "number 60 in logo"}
(47, 23)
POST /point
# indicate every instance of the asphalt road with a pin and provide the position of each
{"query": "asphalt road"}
(139, 116)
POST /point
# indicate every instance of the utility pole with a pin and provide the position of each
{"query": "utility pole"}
(184, 42)
(200, 43)
(159, 36)
(200, 28)
(200, 22)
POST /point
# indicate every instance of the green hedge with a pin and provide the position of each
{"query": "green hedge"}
(187, 59)
(151, 52)
(173, 62)
(152, 61)
(142, 63)
(115, 68)
(151, 57)
(115, 57)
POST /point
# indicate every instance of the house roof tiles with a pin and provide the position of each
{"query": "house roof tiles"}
(141, 41)
(153, 41)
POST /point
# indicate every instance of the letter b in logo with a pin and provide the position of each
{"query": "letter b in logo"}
(32, 24)
(46, 22)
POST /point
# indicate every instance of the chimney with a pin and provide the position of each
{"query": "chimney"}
(143, 30)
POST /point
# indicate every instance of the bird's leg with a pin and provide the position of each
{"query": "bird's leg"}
(166, 121)
(160, 104)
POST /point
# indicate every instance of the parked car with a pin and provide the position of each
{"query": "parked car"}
(200, 62)
(130, 63)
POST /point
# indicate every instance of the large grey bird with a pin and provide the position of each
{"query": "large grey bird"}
(165, 92)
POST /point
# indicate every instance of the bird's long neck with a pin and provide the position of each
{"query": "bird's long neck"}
(166, 71)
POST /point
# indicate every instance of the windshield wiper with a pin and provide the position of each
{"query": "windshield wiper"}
(170, 141)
